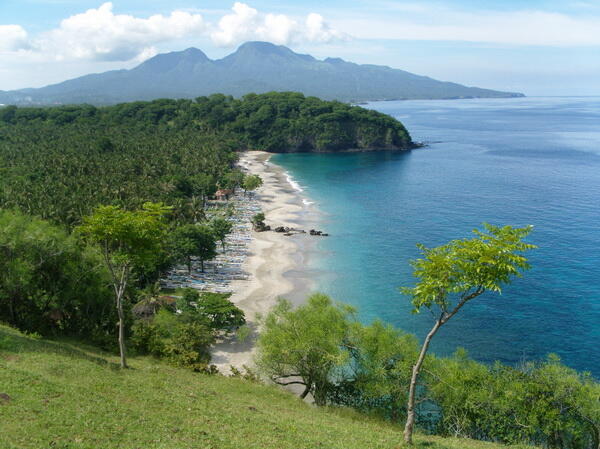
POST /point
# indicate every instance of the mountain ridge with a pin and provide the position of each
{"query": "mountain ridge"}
(255, 67)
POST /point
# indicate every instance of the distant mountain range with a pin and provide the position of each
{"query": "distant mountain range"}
(255, 67)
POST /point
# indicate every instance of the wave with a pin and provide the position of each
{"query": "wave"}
(297, 188)
(293, 183)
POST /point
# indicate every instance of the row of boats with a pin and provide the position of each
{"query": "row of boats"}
(227, 266)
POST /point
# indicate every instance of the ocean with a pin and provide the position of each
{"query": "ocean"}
(502, 161)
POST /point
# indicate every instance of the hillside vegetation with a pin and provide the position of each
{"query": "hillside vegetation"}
(67, 395)
(59, 163)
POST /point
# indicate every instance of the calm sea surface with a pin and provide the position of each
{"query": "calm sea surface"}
(515, 161)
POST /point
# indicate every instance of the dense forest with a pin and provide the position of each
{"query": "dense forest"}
(59, 163)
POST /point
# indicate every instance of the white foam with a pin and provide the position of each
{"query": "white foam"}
(297, 188)
(292, 182)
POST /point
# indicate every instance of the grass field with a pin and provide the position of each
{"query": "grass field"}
(68, 395)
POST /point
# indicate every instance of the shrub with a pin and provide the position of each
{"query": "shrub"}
(189, 345)
(187, 301)
(176, 338)
(545, 404)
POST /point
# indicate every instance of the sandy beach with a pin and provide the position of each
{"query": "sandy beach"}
(271, 255)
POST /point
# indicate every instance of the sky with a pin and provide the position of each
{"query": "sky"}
(538, 47)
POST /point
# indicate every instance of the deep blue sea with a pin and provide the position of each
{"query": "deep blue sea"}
(503, 161)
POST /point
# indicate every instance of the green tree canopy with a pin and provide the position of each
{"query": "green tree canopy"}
(545, 404)
(251, 183)
(451, 275)
(305, 345)
(221, 228)
(49, 281)
(220, 311)
(192, 240)
(127, 239)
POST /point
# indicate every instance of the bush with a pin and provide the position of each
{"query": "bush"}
(174, 337)
(146, 339)
(49, 282)
(545, 404)
(189, 345)
(186, 303)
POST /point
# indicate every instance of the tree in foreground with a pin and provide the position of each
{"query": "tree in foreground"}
(304, 346)
(451, 275)
(128, 240)
(192, 240)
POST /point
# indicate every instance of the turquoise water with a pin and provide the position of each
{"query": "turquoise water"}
(517, 161)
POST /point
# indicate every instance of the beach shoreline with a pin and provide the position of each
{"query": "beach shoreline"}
(271, 256)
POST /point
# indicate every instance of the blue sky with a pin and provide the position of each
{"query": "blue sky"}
(539, 47)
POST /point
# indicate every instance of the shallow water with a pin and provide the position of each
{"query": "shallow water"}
(504, 161)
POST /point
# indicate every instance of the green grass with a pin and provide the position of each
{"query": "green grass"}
(68, 395)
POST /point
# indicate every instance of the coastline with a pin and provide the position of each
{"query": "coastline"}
(271, 257)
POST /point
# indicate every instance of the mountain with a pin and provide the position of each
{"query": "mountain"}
(255, 67)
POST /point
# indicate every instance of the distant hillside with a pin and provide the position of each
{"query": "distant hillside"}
(68, 395)
(282, 122)
(255, 67)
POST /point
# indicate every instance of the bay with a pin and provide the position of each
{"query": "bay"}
(503, 161)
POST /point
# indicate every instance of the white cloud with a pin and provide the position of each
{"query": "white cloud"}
(525, 27)
(246, 23)
(99, 34)
(237, 26)
(12, 38)
(317, 30)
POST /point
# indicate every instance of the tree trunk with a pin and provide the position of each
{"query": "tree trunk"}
(121, 327)
(305, 392)
(410, 416)
(320, 394)
(119, 284)
(189, 264)
(202, 265)
(11, 306)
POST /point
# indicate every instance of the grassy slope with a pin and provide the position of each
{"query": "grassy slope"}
(66, 395)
